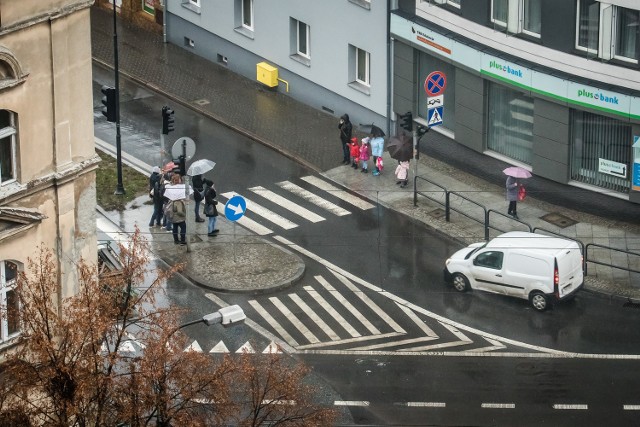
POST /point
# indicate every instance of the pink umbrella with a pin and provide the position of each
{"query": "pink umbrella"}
(169, 166)
(517, 172)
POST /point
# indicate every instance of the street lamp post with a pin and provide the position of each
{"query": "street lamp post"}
(119, 186)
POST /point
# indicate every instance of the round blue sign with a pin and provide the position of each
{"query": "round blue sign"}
(235, 208)
(435, 83)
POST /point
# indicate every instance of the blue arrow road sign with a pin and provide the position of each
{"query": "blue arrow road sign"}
(235, 208)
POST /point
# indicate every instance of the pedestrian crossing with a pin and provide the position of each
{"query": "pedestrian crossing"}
(290, 198)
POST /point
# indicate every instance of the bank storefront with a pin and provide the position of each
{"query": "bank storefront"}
(561, 128)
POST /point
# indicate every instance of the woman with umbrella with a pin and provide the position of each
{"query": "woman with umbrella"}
(513, 173)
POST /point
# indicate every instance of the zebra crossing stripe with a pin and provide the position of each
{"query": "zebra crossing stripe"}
(313, 198)
(294, 320)
(314, 317)
(393, 344)
(337, 192)
(332, 312)
(350, 340)
(264, 212)
(413, 316)
(369, 302)
(342, 300)
(274, 324)
(251, 225)
(287, 204)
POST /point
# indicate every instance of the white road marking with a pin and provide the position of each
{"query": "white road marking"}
(418, 321)
(270, 216)
(631, 407)
(497, 345)
(351, 403)
(278, 402)
(342, 300)
(463, 340)
(369, 302)
(272, 348)
(337, 192)
(570, 407)
(246, 348)
(498, 405)
(314, 317)
(394, 343)
(274, 324)
(287, 204)
(251, 225)
(350, 340)
(424, 404)
(332, 312)
(194, 347)
(312, 198)
(219, 348)
(297, 323)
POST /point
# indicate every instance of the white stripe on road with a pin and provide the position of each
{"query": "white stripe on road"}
(393, 344)
(351, 403)
(372, 305)
(278, 402)
(274, 324)
(497, 345)
(294, 320)
(464, 340)
(350, 340)
(251, 225)
(424, 404)
(498, 405)
(264, 212)
(332, 312)
(570, 407)
(342, 300)
(418, 321)
(631, 407)
(337, 192)
(314, 317)
(287, 204)
(312, 198)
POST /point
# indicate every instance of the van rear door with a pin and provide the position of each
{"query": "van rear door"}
(570, 276)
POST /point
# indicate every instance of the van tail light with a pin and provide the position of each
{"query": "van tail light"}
(556, 279)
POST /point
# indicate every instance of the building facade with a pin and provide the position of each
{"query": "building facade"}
(552, 86)
(331, 55)
(47, 155)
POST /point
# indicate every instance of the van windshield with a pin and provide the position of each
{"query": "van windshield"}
(474, 251)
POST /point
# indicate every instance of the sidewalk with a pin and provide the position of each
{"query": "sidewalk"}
(278, 121)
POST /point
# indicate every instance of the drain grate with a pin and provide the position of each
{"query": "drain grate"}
(437, 213)
(201, 102)
(558, 220)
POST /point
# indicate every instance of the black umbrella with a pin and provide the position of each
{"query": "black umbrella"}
(375, 131)
(400, 148)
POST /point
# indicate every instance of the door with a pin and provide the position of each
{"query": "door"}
(487, 272)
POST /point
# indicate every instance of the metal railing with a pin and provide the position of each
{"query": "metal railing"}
(586, 257)
(485, 216)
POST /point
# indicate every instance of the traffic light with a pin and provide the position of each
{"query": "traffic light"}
(109, 102)
(167, 120)
(406, 121)
(421, 130)
(180, 166)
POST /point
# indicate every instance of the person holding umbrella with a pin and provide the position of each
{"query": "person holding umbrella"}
(513, 187)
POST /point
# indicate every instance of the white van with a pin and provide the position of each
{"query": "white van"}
(539, 268)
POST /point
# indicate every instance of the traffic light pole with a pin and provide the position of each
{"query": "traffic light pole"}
(119, 186)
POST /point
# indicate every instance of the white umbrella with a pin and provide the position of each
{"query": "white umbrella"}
(176, 191)
(200, 167)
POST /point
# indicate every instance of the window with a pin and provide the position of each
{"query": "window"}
(247, 14)
(10, 321)
(510, 123)
(518, 16)
(607, 31)
(531, 16)
(499, 12)
(362, 66)
(195, 2)
(626, 32)
(303, 39)
(455, 3)
(588, 25)
(489, 260)
(7, 146)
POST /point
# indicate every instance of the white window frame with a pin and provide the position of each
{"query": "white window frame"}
(306, 54)
(497, 21)
(244, 14)
(10, 132)
(367, 67)
(454, 3)
(4, 289)
(521, 28)
(577, 45)
(195, 2)
(515, 18)
(614, 35)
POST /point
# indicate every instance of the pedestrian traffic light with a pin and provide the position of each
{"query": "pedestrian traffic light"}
(167, 120)
(109, 102)
(180, 166)
(421, 130)
(406, 121)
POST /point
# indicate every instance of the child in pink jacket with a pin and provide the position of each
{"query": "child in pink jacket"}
(365, 153)
(402, 173)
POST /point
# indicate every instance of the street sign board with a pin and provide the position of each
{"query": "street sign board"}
(612, 168)
(235, 208)
(434, 116)
(190, 147)
(435, 101)
(435, 83)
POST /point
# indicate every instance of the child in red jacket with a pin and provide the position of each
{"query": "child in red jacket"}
(354, 151)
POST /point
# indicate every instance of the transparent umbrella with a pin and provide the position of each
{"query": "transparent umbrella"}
(200, 167)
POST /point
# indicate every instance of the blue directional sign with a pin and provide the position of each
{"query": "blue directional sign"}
(235, 208)
(434, 116)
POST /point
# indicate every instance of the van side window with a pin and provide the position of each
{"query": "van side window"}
(489, 260)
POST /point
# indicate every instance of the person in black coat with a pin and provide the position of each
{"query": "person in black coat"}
(155, 192)
(199, 183)
(211, 210)
(346, 128)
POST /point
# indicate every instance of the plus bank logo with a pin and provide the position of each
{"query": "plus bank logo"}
(598, 96)
(507, 69)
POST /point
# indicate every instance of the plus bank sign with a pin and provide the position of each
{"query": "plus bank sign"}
(506, 69)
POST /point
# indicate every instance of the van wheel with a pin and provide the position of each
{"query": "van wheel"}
(538, 301)
(460, 282)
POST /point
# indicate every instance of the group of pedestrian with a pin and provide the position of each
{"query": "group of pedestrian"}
(170, 212)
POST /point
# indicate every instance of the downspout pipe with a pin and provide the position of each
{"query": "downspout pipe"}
(389, 67)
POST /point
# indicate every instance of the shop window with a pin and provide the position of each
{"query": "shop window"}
(607, 31)
(10, 319)
(518, 16)
(8, 134)
(510, 123)
(427, 64)
(600, 151)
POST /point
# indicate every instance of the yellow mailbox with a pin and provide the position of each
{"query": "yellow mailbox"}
(267, 74)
